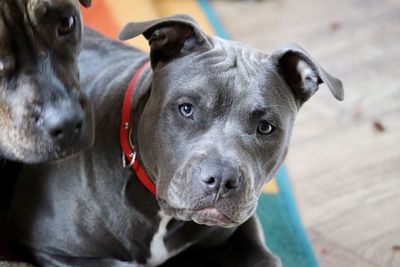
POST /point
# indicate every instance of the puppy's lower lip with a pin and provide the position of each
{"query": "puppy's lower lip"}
(213, 215)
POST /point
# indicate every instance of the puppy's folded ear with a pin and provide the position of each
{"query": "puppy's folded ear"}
(168, 37)
(85, 3)
(303, 74)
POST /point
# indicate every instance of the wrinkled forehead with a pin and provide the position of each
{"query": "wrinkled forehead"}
(16, 13)
(18, 6)
(37, 8)
(230, 72)
(52, 2)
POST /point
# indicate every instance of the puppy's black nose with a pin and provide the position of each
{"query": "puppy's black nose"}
(64, 124)
(219, 177)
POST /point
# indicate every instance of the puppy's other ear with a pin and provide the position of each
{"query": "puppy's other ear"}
(303, 74)
(85, 3)
(168, 37)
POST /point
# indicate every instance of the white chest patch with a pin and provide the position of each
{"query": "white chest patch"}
(158, 251)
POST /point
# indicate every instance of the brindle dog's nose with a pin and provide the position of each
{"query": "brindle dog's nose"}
(217, 176)
(64, 124)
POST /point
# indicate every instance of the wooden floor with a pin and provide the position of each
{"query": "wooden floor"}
(344, 161)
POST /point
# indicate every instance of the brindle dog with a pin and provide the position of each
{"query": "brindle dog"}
(44, 114)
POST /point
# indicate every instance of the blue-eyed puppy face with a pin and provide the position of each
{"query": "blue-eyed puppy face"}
(220, 128)
(217, 123)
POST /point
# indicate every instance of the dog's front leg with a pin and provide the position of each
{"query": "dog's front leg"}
(246, 248)
(45, 260)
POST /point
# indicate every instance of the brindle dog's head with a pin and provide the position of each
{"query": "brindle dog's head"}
(217, 123)
(44, 115)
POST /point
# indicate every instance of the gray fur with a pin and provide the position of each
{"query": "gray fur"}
(90, 211)
(39, 82)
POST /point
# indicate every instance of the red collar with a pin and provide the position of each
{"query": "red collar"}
(128, 150)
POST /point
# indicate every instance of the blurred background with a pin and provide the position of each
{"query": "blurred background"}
(344, 160)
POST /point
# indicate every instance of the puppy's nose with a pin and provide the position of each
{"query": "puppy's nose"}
(64, 124)
(219, 177)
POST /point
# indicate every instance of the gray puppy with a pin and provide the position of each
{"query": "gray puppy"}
(44, 115)
(210, 124)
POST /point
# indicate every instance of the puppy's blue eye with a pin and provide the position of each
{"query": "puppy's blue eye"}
(265, 128)
(186, 109)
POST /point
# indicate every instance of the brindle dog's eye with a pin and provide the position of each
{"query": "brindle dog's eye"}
(186, 109)
(7, 65)
(2, 67)
(66, 25)
(265, 128)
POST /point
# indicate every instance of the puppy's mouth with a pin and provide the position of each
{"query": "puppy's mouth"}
(212, 217)
(209, 216)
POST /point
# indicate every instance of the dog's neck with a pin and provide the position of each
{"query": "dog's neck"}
(126, 133)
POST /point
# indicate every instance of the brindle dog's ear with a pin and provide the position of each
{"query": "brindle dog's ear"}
(168, 37)
(85, 3)
(303, 74)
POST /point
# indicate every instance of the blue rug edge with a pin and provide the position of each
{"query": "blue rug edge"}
(285, 190)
